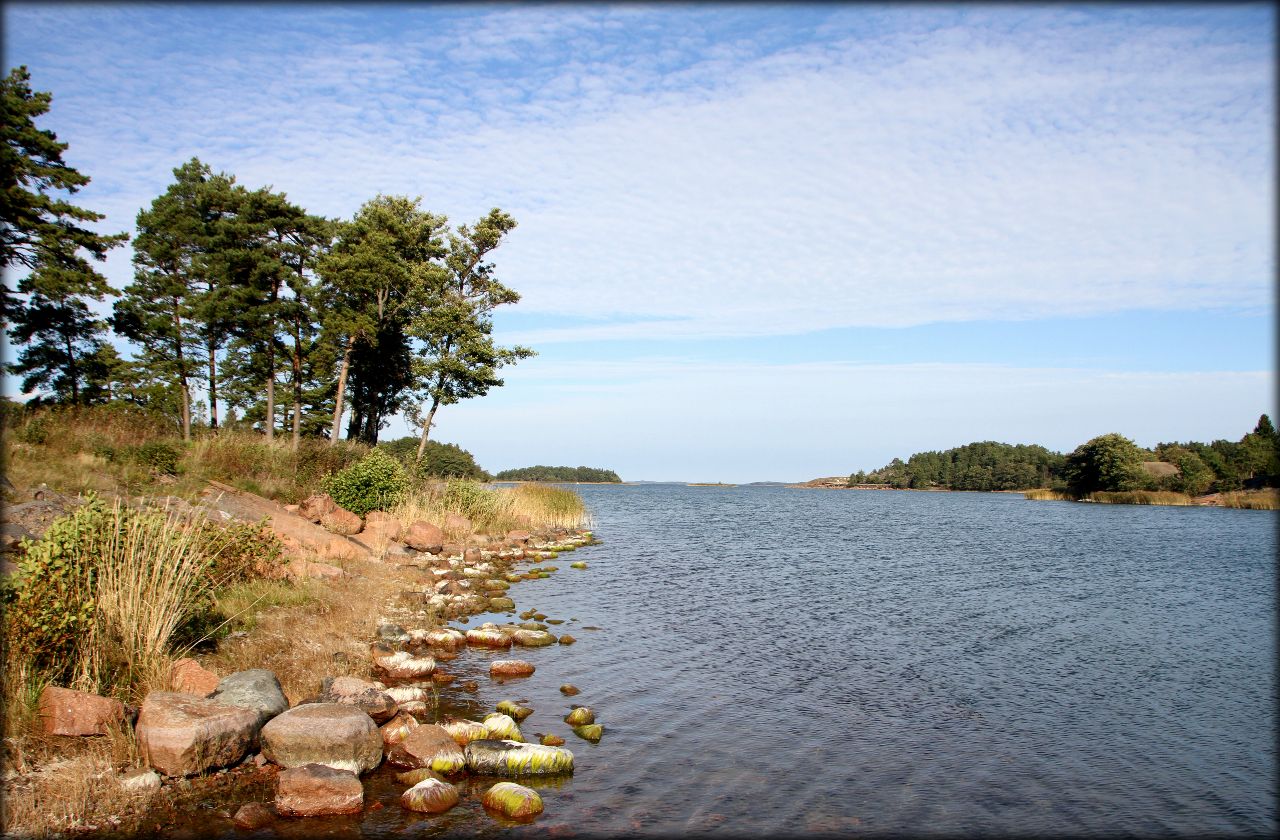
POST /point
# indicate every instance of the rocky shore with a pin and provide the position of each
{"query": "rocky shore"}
(238, 744)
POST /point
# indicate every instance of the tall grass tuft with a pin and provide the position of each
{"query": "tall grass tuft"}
(554, 507)
(1259, 500)
(1045, 494)
(493, 511)
(1141, 497)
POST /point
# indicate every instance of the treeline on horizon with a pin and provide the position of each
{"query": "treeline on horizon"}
(1108, 462)
(280, 320)
(566, 474)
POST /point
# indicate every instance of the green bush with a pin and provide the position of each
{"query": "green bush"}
(472, 501)
(161, 457)
(375, 482)
(49, 603)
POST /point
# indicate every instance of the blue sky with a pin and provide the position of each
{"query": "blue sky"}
(755, 242)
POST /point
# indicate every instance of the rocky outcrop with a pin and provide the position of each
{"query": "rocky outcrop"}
(63, 711)
(314, 508)
(314, 790)
(333, 734)
(182, 734)
(296, 531)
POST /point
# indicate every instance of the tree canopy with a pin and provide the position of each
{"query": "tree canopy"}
(566, 474)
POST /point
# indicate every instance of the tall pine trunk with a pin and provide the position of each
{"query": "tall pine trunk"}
(342, 390)
(426, 427)
(182, 372)
(213, 385)
(297, 389)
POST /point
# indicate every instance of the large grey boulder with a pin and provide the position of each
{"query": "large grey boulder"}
(333, 734)
(257, 689)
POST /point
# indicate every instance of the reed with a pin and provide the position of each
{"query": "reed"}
(1141, 497)
(493, 511)
(1268, 499)
(1045, 494)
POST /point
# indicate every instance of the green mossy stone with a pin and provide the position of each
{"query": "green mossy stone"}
(578, 564)
(501, 604)
(514, 710)
(589, 732)
(566, 639)
(580, 716)
(532, 625)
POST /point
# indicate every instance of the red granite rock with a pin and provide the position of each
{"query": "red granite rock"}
(314, 790)
(190, 677)
(66, 712)
(182, 734)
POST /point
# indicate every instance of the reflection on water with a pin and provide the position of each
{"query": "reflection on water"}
(772, 660)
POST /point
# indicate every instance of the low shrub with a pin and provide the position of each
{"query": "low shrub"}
(159, 456)
(1261, 500)
(376, 482)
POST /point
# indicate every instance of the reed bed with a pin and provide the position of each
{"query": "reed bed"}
(1257, 500)
(1045, 494)
(492, 511)
(1141, 497)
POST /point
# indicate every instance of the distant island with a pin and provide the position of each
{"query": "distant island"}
(578, 475)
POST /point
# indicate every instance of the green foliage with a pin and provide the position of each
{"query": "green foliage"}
(566, 474)
(976, 466)
(1108, 462)
(243, 551)
(49, 603)
(472, 500)
(159, 456)
(439, 460)
(375, 482)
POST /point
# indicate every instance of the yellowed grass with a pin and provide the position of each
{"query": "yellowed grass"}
(1141, 497)
(1268, 499)
(1045, 494)
(525, 506)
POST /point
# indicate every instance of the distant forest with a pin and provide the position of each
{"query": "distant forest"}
(575, 474)
(1107, 462)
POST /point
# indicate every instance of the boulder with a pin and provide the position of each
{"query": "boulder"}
(589, 732)
(397, 729)
(256, 689)
(580, 715)
(314, 508)
(518, 537)
(313, 790)
(456, 522)
(465, 731)
(566, 639)
(430, 796)
(382, 526)
(369, 697)
(423, 536)
(342, 521)
(254, 815)
(514, 710)
(485, 637)
(551, 741)
(502, 604)
(502, 726)
(334, 734)
(568, 689)
(63, 711)
(511, 758)
(510, 668)
(446, 637)
(429, 745)
(513, 800)
(182, 734)
(190, 677)
(393, 633)
(408, 693)
(403, 665)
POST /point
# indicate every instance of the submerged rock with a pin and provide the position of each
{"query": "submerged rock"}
(502, 726)
(254, 815)
(464, 731)
(514, 710)
(568, 690)
(566, 639)
(403, 665)
(429, 745)
(513, 800)
(533, 638)
(510, 668)
(580, 715)
(591, 732)
(397, 729)
(511, 758)
(314, 790)
(483, 637)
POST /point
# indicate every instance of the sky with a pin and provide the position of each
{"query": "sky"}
(754, 242)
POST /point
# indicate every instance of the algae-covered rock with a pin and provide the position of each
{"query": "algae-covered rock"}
(550, 568)
(533, 638)
(551, 741)
(514, 710)
(566, 639)
(429, 745)
(502, 604)
(485, 637)
(512, 800)
(589, 732)
(579, 716)
(578, 564)
(511, 758)
(464, 731)
(430, 796)
(413, 777)
(568, 689)
(531, 625)
(510, 668)
(397, 729)
(502, 726)
(446, 637)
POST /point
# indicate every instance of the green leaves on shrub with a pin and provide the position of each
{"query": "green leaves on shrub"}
(161, 457)
(375, 482)
(472, 501)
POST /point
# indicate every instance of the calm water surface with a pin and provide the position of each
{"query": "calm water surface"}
(772, 660)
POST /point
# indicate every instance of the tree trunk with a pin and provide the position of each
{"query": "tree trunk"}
(297, 390)
(342, 388)
(213, 386)
(426, 428)
(72, 373)
(270, 424)
(182, 372)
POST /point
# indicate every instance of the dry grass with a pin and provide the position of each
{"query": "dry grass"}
(1141, 497)
(1045, 494)
(1268, 499)
(522, 507)
(323, 630)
